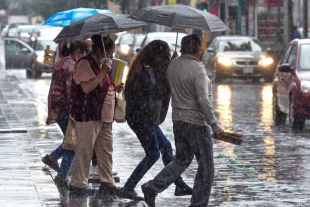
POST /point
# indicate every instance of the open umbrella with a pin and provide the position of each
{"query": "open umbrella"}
(180, 16)
(65, 18)
(98, 24)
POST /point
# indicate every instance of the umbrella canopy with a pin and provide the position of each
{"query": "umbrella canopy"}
(98, 24)
(65, 18)
(180, 16)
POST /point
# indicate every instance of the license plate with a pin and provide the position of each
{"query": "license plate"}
(248, 70)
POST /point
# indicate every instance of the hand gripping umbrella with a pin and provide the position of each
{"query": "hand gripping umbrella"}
(180, 16)
(65, 18)
(98, 24)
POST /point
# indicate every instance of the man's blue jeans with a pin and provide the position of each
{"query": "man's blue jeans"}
(154, 142)
(67, 155)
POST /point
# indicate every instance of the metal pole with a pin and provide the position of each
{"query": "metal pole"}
(239, 17)
(286, 24)
(305, 30)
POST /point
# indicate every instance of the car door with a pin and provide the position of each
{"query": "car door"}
(17, 54)
(285, 78)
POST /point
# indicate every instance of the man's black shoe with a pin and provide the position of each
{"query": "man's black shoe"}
(81, 191)
(130, 194)
(149, 195)
(106, 189)
(182, 190)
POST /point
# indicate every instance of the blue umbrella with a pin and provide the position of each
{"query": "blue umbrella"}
(65, 18)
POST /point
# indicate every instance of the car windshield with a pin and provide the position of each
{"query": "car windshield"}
(42, 44)
(240, 45)
(127, 39)
(304, 59)
(25, 29)
(139, 39)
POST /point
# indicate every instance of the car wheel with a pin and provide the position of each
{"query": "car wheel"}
(28, 73)
(268, 78)
(217, 77)
(34, 73)
(278, 116)
(296, 121)
(255, 80)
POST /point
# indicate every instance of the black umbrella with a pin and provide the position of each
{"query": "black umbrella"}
(98, 24)
(180, 16)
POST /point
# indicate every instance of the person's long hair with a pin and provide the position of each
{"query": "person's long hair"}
(157, 55)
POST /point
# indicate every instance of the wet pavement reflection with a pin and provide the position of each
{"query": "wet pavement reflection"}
(270, 168)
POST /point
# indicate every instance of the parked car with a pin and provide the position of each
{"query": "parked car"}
(291, 86)
(169, 37)
(43, 31)
(20, 55)
(12, 29)
(24, 32)
(126, 45)
(238, 57)
(4, 31)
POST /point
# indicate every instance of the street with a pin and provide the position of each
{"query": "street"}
(270, 169)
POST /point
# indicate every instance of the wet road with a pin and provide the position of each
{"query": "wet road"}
(278, 156)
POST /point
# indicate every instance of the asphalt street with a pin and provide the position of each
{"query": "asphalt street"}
(270, 169)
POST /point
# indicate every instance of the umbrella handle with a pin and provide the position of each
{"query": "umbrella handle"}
(105, 55)
(176, 41)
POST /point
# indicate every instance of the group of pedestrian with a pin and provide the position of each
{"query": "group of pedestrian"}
(82, 88)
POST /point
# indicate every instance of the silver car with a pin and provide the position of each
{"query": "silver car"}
(19, 55)
(238, 57)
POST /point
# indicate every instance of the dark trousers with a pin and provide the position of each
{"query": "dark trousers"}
(153, 142)
(190, 140)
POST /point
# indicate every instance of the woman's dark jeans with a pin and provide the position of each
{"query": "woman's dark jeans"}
(154, 142)
(67, 155)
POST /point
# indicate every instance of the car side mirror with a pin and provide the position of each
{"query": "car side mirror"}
(25, 50)
(211, 50)
(138, 50)
(286, 68)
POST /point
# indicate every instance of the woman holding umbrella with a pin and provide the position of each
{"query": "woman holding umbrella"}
(147, 97)
(58, 106)
(93, 104)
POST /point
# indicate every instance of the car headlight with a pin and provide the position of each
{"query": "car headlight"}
(125, 49)
(40, 59)
(305, 86)
(224, 61)
(265, 61)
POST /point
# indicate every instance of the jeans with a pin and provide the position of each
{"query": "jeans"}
(154, 142)
(190, 140)
(67, 155)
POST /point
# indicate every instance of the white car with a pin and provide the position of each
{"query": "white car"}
(24, 32)
(169, 37)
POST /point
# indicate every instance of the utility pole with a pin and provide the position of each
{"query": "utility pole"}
(305, 12)
(239, 21)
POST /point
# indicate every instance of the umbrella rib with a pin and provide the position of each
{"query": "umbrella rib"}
(204, 18)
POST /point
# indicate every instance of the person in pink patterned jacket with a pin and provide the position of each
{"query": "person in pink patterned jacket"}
(59, 106)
